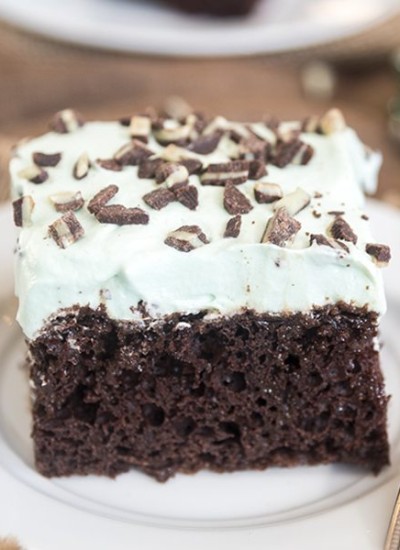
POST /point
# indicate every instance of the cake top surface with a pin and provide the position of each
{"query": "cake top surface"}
(192, 214)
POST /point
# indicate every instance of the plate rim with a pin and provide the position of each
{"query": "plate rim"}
(169, 46)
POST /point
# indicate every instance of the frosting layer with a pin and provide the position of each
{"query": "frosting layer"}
(121, 266)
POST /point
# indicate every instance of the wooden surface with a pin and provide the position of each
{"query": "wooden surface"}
(39, 78)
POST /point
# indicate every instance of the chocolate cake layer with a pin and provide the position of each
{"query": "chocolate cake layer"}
(185, 393)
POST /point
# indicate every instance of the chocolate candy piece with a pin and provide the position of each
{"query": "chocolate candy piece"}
(66, 230)
(234, 200)
(67, 121)
(159, 198)
(22, 209)
(101, 198)
(340, 229)
(120, 215)
(380, 253)
(236, 171)
(233, 227)
(186, 238)
(280, 228)
(67, 201)
(294, 202)
(265, 193)
(46, 159)
(81, 167)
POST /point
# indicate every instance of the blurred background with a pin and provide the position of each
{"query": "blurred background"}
(246, 59)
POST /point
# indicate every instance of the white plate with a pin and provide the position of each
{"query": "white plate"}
(149, 27)
(327, 507)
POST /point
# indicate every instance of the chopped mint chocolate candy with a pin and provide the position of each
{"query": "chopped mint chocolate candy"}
(340, 229)
(188, 196)
(253, 148)
(159, 198)
(294, 151)
(303, 155)
(109, 164)
(233, 227)
(22, 209)
(234, 200)
(174, 153)
(34, 174)
(46, 159)
(380, 253)
(67, 121)
(147, 169)
(140, 128)
(172, 175)
(120, 215)
(311, 125)
(236, 172)
(294, 202)
(186, 238)
(322, 240)
(331, 122)
(66, 230)
(193, 166)
(205, 145)
(67, 201)
(266, 193)
(81, 167)
(172, 132)
(132, 153)
(102, 198)
(280, 228)
(257, 169)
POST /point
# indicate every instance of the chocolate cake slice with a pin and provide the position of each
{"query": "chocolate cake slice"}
(199, 294)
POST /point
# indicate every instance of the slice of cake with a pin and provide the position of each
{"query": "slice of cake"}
(199, 294)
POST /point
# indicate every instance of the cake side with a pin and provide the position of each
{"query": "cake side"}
(246, 392)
